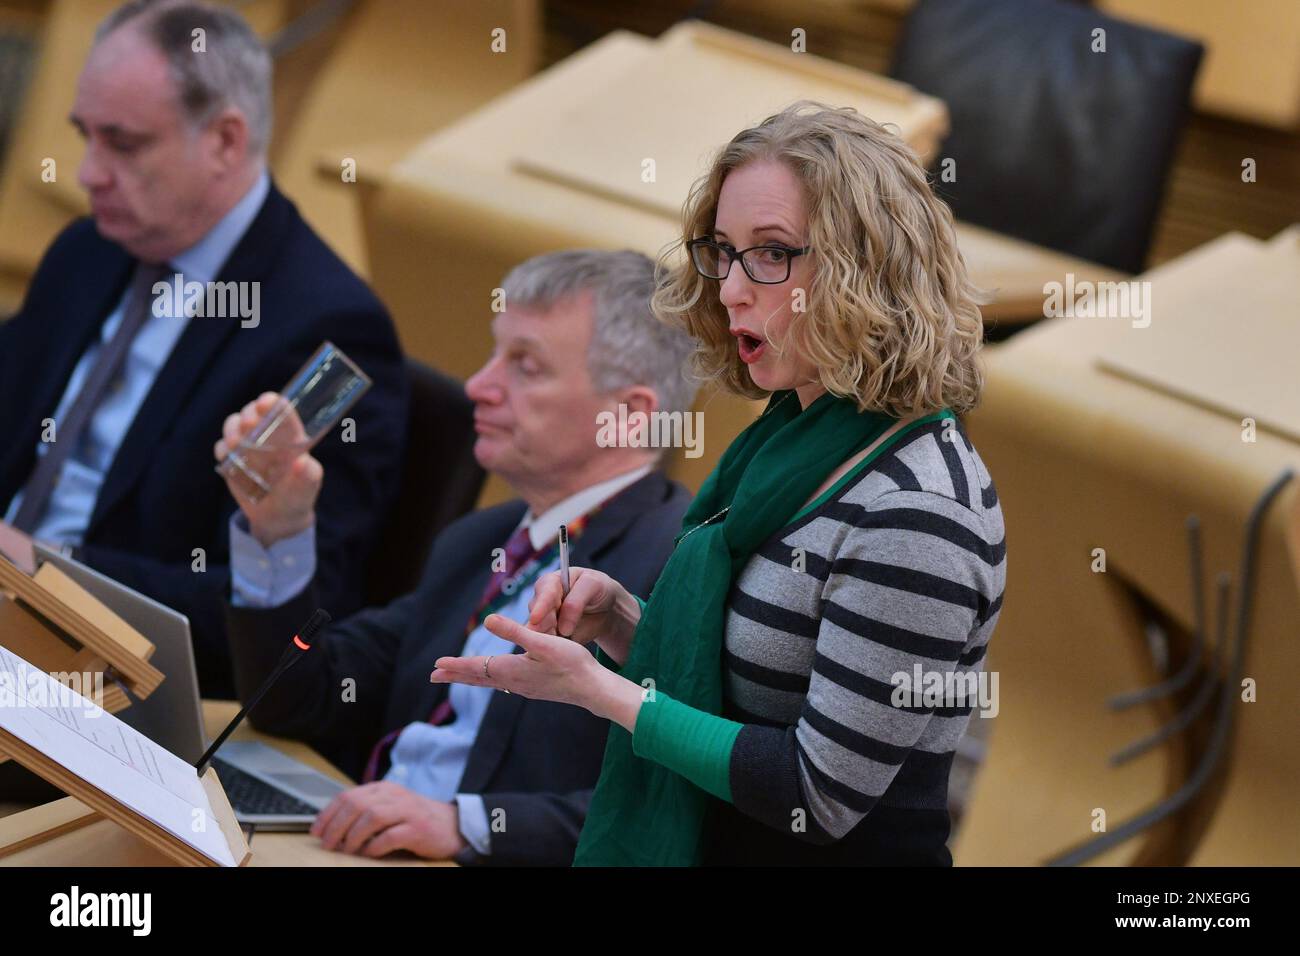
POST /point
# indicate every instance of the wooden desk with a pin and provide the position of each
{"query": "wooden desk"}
(1252, 53)
(400, 70)
(562, 160)
(558, 162)
(89, 840)
(1014, 272)
(1085, 459)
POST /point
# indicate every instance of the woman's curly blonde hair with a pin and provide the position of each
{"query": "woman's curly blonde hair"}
(892, 318)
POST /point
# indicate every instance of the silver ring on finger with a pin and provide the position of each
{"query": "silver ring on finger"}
(485, 669)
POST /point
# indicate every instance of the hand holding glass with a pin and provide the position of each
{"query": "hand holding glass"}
(313, 402)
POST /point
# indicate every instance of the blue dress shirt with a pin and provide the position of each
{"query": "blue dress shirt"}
(73, 498)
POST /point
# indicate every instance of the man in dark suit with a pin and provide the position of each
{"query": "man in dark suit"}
(473, 774)
(113, 388)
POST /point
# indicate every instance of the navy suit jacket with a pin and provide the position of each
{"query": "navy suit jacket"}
(534, 760)
(161, 498)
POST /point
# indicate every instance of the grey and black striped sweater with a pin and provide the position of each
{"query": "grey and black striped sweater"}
(904, 565)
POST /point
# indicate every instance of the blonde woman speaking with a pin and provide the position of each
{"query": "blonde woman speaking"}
(848, 540)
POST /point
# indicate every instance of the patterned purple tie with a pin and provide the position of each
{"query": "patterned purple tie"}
(517, 552)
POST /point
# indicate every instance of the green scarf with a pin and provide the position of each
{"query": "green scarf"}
(642, 814)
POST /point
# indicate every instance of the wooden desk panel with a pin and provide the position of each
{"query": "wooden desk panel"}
(1252, 53)
(1084, 459)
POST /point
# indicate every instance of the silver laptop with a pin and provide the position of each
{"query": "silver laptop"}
(266, 788)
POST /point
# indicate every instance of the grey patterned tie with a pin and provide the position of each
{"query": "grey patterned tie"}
(69, 431)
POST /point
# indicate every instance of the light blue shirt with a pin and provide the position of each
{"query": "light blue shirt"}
(72, 501)
(431, 760)
(426, 759)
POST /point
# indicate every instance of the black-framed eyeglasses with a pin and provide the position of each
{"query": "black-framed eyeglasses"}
(768, 264)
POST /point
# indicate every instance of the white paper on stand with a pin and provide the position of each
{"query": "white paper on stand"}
(94, 745)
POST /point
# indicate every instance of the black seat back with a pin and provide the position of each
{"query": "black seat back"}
(440, 482)
(1053, 143)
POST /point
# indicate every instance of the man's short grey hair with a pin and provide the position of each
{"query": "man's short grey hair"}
(629, 346)
(233, 67)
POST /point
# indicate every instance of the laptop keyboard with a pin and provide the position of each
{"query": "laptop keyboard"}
(250, 796)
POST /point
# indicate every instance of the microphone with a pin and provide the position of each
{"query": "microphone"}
(300, 645)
